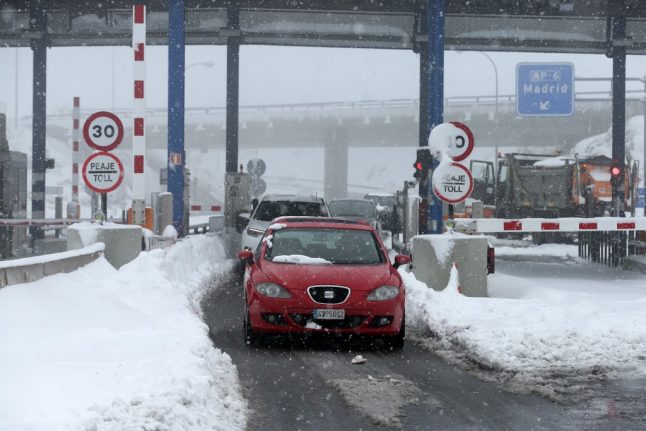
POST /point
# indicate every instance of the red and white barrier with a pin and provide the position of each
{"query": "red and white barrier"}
(139, 105)
(76, 138)
(213, 208)
(555, 225)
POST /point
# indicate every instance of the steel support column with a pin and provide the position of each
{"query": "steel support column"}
(233, 79)
(435, 9)
(616, 44)
(176, 112)
(424, 79)
(38, 25)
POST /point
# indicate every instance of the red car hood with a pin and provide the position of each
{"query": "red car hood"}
(356, 277)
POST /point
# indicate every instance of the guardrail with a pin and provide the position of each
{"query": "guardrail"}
(34, 268)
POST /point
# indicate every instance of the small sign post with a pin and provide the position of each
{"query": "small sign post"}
(102, 171)
(451, 181)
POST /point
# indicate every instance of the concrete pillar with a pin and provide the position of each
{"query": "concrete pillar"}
(38, 26)
(336, 162)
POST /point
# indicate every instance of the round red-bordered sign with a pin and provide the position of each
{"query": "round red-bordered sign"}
(102, 172)
(452, 183)
(103, 131)
(469, 138)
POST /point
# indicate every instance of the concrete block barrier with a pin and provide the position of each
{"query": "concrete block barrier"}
(434, 255)
(30, 269)
(123, 243)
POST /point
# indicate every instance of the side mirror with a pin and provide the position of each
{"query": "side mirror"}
(242, 221)
(400, 260)
(254, 203)
(246, 256)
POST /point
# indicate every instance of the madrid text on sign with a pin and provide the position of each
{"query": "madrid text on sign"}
(545, 88)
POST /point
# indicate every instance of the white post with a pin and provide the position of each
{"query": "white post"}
(139, 113)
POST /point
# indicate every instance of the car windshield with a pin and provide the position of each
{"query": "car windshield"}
(338, 246)
(352, 208)
(269, 210)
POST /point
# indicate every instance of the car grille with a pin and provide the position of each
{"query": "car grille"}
(348, 322)
(328, 294)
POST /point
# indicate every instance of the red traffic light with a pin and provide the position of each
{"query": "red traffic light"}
(615, 171)
(418, 166)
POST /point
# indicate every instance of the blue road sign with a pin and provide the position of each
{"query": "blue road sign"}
(641, 197)
(544, 89)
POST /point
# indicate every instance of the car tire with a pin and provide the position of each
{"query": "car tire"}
(251, 337)
(396, 342)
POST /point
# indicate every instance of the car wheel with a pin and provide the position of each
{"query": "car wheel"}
(251, 337)
(396, 342)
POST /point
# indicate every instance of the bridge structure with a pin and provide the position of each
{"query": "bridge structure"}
(370, 123)
(338, 126)
(612, 27)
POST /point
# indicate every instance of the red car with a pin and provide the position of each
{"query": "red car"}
(323, 275)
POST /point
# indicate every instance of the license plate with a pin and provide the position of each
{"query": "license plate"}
(329, 314)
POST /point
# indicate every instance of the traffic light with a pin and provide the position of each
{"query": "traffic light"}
(616, 177)
(423, 163)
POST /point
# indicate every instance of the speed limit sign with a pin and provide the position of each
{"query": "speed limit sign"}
(103, 131)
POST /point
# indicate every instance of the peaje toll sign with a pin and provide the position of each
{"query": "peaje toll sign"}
(452, 182)
(103, 131)
(103, 172)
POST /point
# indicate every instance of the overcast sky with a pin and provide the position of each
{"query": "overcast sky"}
(269, 75)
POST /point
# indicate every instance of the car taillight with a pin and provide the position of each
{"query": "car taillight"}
(491, 260)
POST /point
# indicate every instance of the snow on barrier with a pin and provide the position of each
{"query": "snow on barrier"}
(123, 243)
(434, 256)
(34, 268)
(599, 224)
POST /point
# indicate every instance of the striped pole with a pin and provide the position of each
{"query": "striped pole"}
(76, 137)
(73, 208)
(139, 113)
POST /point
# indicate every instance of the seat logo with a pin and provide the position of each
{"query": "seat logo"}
(328, 294)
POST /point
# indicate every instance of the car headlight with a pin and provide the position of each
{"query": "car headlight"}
(254, 232)
(272, 290)
(383, 293)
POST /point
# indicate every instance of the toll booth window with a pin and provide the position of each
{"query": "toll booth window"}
(502, 173)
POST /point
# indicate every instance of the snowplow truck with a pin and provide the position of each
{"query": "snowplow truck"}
(529, 185)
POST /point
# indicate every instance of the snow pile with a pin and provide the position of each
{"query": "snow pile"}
(118, 350)
(527, 327)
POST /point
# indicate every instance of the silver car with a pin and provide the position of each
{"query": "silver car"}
(279, 205)
(355, 209)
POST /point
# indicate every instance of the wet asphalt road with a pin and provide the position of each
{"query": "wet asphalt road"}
(314, 386)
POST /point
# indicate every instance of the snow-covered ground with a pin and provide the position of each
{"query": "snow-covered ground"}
(534, 329)
(101, 349)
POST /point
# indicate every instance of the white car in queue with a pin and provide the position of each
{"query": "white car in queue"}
(279, 205)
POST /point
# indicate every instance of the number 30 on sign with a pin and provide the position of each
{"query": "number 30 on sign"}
(103, 131)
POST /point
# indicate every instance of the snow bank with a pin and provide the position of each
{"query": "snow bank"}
(528, 327)
(101, 349)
